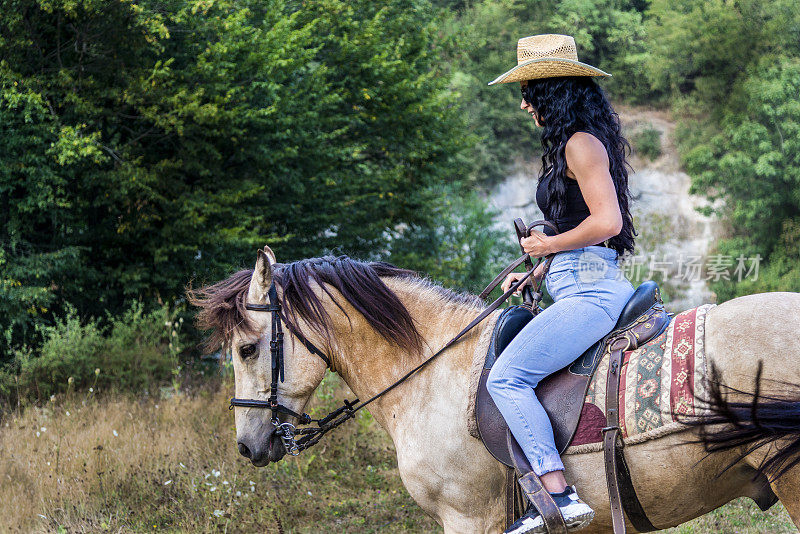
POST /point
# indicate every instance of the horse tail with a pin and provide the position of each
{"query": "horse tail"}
(757, 421)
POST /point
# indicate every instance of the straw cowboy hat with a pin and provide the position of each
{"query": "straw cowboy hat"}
(547, 56)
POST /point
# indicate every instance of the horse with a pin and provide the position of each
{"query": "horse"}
(376, 321)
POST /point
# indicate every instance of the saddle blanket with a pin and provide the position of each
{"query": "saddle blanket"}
(658, 383)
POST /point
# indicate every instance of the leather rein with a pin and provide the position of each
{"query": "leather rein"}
(311, 435)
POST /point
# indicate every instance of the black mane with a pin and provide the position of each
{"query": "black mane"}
(360, 284)
(222, 304)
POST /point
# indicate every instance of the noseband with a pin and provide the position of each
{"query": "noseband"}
(311, 435)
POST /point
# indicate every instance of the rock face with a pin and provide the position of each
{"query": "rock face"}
(673, 238)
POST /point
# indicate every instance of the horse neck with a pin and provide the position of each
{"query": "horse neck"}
(368, 363)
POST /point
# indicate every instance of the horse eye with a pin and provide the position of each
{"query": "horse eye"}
(247, 351)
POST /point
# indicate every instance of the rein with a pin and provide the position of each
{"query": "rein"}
(311, 435)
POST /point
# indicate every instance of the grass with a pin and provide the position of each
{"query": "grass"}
(126, 465)
(741, 516)
(119, 464)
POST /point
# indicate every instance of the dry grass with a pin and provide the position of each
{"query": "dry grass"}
(126, 465)
(154, 465)
(85, 467)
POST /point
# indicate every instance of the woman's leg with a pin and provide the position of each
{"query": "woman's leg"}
(549, 342)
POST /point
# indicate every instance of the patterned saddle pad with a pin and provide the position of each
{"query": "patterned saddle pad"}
(658, 383)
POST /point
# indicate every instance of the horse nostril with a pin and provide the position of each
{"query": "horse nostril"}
(244, 451)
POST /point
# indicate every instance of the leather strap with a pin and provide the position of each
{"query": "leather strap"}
(534, 490)
(338, 417)
(500, 277)
(630, 502)
(276, 308)
(492, 307)
(525, 258)
(510, 480)
(522, 231)
(536, 294)
(611, 432)
(621, 492)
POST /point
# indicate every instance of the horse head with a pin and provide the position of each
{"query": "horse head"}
(234, 310)
(339, 304)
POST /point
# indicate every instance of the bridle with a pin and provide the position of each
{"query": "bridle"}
(311, 435)
(285, 430)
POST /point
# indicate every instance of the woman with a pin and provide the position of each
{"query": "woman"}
(583, 188)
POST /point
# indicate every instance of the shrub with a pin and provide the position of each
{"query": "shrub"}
(648, 143)
(464, 252)
(133, 352)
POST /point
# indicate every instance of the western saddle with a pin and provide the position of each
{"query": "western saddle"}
(562, 395)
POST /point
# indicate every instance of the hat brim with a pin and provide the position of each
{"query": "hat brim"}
(547, 68)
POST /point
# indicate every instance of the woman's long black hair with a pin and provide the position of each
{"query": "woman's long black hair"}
(568, 104)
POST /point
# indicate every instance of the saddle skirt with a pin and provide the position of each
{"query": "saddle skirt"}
(574, 400)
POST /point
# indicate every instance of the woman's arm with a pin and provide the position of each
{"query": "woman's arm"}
(588, 160)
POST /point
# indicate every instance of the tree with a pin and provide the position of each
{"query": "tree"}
(147, 143)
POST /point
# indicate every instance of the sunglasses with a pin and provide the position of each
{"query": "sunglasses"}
(524, 89)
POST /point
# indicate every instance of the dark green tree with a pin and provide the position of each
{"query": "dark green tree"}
(146, 144)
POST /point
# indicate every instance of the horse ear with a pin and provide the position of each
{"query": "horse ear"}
(270, 255)
(262, 277)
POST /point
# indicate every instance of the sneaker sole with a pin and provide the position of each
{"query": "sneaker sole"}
(580, 521)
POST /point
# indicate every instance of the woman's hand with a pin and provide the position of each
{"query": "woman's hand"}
(538, 272)
(511, 279)
(537, 245)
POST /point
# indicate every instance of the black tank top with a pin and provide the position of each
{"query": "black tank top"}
(576, 209)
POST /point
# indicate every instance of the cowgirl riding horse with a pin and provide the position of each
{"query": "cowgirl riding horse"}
(376, 323)
(583, 187)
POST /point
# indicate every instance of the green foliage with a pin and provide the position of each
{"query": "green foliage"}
(751, 165)
(137, 351)
(733, 71)
(702, 50)
(647, 143)
(780, 273)
(479, 43)
(145, 144)
(464, 251)
(610, 35)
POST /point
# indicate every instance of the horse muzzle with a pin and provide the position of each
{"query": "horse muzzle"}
(262, 451)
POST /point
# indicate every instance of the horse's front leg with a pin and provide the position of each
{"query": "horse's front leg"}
(456, 482)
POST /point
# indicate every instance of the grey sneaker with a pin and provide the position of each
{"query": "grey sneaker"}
(576, 513)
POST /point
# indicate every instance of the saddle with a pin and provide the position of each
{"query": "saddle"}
(562, 395)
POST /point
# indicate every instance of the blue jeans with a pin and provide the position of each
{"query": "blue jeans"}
(589, 292)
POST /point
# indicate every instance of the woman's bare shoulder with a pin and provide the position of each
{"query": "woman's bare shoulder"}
(585, 150)
(583, 141)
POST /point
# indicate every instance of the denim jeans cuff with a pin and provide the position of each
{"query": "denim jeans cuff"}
(547, 465)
